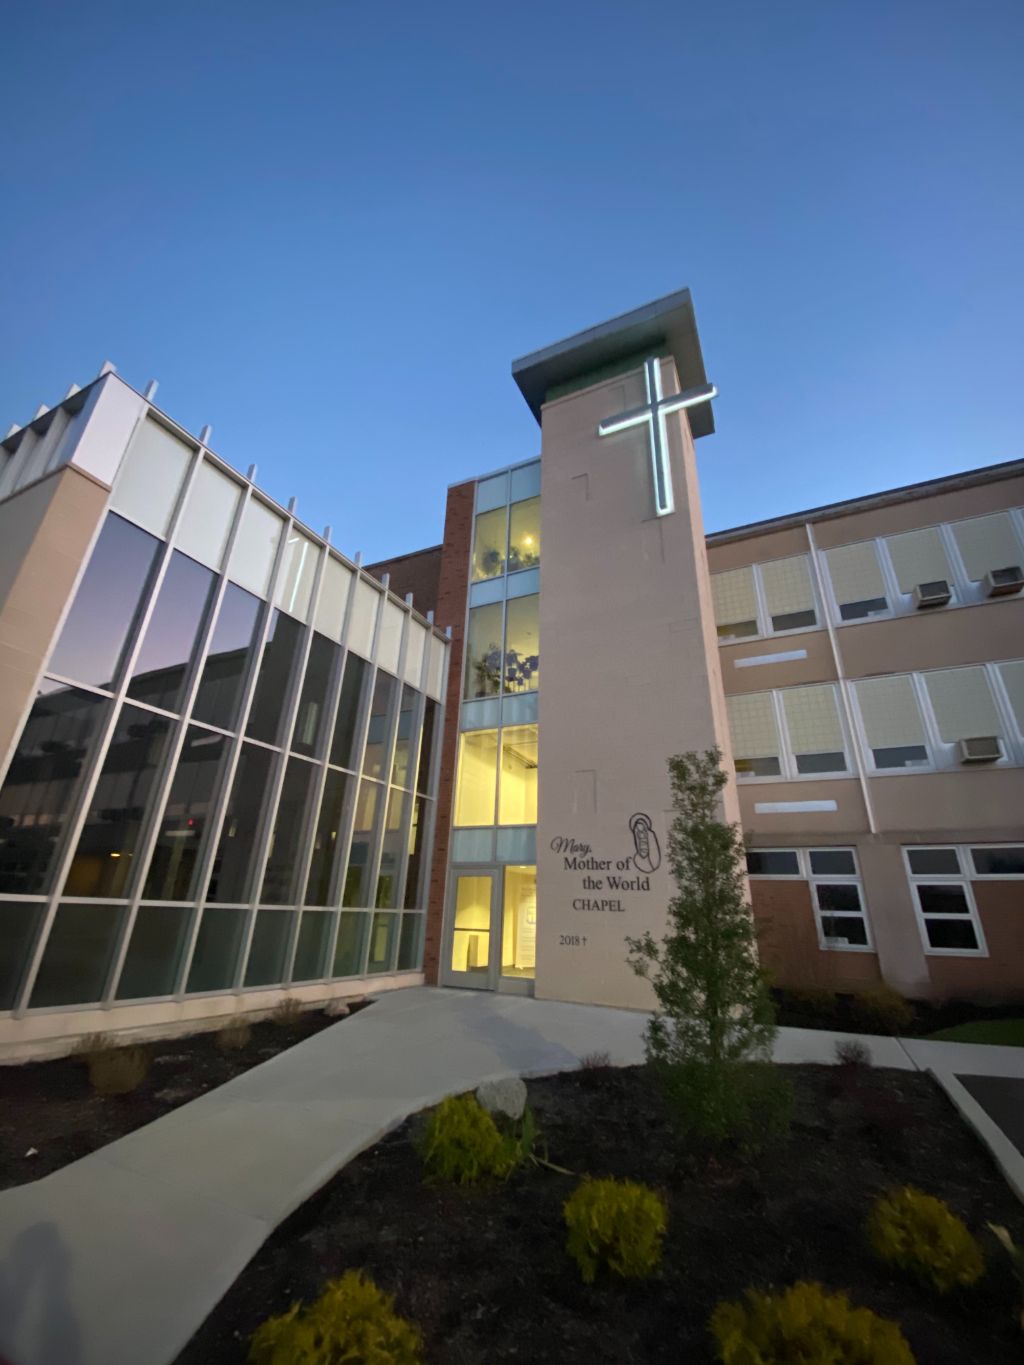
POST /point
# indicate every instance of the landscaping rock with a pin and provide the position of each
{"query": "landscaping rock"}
(507, 1096)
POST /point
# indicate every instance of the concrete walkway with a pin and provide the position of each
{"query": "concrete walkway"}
(117, 1258)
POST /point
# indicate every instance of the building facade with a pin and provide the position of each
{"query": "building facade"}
(235, 764)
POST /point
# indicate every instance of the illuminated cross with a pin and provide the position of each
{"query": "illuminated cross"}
(653, 413)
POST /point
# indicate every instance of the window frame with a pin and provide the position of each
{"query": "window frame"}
(805, 873)
(765, 630)
(961, 879)
(787, 757)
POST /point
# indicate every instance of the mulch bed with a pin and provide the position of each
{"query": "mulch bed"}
(484, 1272)
(842, 1013)
(50, 1106)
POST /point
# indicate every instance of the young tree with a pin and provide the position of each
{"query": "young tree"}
(710, 1036)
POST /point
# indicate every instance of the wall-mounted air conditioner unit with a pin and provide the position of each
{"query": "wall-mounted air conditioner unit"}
(1001, 582)
(935, 594)
(984, 749)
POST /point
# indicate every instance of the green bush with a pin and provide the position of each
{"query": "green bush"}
(805, 1324)
(352, 1323)
(463, 1144)
(920, 1234)
(118, 1072)
(883, 1010)
(616, 1222)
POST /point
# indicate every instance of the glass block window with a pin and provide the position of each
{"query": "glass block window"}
(815, 731)
(987, 543)
(788, 593)
(857, 580)
(919, 557)
(892, 721)
(735, 601)
(755, 735)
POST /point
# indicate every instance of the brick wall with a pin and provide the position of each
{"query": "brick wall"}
(418, 573)
(452, 590)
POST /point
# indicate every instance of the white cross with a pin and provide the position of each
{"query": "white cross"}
(654, 413)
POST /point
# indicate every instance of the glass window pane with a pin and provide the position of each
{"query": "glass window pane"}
(185, 826)
(348, 951)
(755, 739)
(904, 756)
(951, 933)
(236, 852)
(78, 955)
(838, 896)
(298, 570)
(857, 580)
(281, 655)
(524, 481)
(155, 949)
(333, 599)
(343, 742)
(42, 780)
(252, 555)
(105, 855)
(948, 899)
(363, 622)
(107, 606)
(788, 592)
(834, 862)
(735, 602)
(325, 840)
(168, 647)
(215, 959)
(268, 952)
(999, 862)
(1012, 675)
(519, 923)
(931, 862)
(391, 851)
(524, 535)
(310, 717)
(389, 639)
(410, 944)
(400, 774)
(382, 940)
(471, 930)
(415, 648)
(483, 651)
(414, 898)
(313, 942)
(426, 746)
(518, 790)
(845, 929)
(919, 557)
(150, 477)
(782, 862)
(385, 690)
(369, 809)
(206, 521)
(228, 660)
(19, 927)
(285, 843)
(489, 544)
(962, 701)
(988, 542)
(478, 771)
(522, 645)
(815, 732)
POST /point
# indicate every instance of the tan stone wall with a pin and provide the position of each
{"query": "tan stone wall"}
(45, 533)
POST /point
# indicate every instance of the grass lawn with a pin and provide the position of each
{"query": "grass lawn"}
(1005, 1032)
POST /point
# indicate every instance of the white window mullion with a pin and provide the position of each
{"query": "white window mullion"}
(941, 752)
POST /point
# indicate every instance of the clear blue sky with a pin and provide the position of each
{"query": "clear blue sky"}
(328, 228)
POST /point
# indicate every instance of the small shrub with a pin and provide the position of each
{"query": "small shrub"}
(462, 1143)
(616, 1222)
(1016, 1255)
(352, 1322)
(805, 1324)
(92, 1045)
(817, 1001)
(118, 1072)
(287, 1013)
(234, 1035)
(854, 1054)
(595, 1061)
(920, 1234)
(883, 1010)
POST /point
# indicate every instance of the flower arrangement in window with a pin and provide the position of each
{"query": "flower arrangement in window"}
(520, 672)
(522, 557)
(492, 563)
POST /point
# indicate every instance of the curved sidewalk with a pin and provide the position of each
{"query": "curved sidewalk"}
(117, 1258)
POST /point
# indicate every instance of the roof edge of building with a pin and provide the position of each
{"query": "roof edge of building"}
(947, 483)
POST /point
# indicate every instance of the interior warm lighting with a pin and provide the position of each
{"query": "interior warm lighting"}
(115, 855)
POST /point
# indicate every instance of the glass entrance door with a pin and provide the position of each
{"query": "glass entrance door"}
(493, 934)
